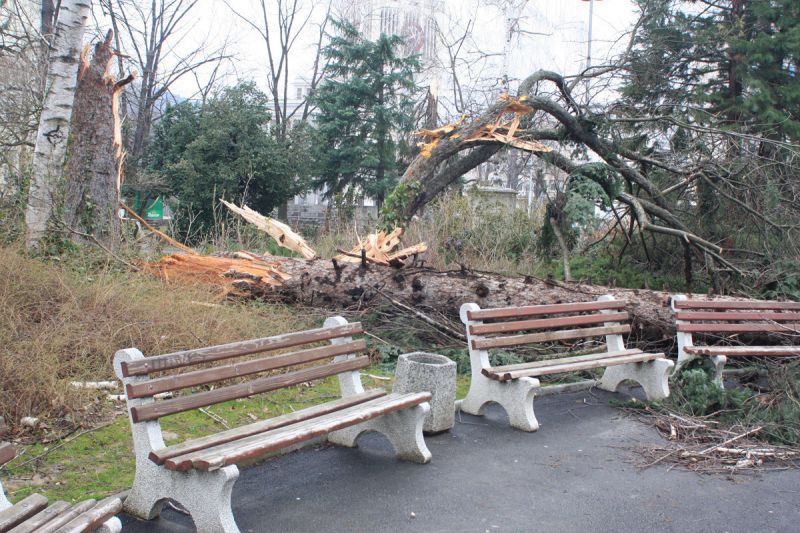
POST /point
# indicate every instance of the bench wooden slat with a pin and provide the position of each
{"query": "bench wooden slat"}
(744, 351)
(243, 368)
(736, 315)
(33, 524)
(738, 328)
(7, 452)
(92, 518)
(735, 304)
(563, 360)
(21, 511)
(258, 445)
(548, 309)
(160, 456)
(516, 340)
(235, 349)
(520, 325)
(65, 517)
(571, 367)
(156, 410)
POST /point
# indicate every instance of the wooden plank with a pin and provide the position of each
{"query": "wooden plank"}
(264, 443)
(571, 367)
(745, 351)
(235, 349)
(735, 304)
(156, 410)
(549, 336)
(7, 452)
(548, 309)
(33, 524)
(161, 455)
(547, 323)
(739, 328)
(242, 368)
(18, 513)
(66, 516)
(94, 517)
(736, 315)
(562, 360)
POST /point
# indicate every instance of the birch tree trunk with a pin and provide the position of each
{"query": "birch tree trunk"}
(53, 133)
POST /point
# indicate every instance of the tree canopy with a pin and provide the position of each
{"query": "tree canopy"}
(364, 107)
(225, 149)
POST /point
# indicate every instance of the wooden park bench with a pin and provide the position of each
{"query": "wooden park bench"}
(514, 386)
(199, 473)
(32, 514)
(771, 329)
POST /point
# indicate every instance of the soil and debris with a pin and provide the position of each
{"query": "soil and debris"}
(703, 445)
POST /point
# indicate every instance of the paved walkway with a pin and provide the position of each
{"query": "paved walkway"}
(575, 474)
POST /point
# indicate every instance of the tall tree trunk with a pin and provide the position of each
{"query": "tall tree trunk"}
(94, 167)
(53, 132)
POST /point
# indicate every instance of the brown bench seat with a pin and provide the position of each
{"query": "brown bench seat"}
(199, 473)
(769, 327)
(32, 514)
(568, 364)
(544, 326)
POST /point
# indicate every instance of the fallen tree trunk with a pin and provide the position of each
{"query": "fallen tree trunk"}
(335, 285)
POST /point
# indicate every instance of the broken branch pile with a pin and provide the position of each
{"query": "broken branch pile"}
(377, 248)
(701, 445)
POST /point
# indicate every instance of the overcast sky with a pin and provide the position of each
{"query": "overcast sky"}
(554, 35)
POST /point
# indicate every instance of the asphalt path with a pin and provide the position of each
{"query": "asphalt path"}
(577, 473)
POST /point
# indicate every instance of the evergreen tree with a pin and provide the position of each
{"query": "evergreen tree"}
(225, 149)
(364, 107)
(732, 63)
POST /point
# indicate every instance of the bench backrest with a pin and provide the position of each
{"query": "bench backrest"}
(536, 324)
(735, 316)
(342, 348)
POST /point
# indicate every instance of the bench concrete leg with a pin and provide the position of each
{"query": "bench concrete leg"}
(718, 362)
(402, 428)
(112, 525)
(205, 495)
(4, 503)
(515, 396)
(652, 375)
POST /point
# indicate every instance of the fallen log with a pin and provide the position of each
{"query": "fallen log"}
(336, 285)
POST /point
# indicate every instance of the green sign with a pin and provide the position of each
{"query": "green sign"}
(155, 211)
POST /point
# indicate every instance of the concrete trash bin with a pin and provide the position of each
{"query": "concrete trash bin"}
(434, 373)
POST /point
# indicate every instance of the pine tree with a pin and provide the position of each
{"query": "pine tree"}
(731, 64)
(363, 108)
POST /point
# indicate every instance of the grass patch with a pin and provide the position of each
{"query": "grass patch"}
(64, 321)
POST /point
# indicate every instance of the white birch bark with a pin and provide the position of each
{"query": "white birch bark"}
(53, 132)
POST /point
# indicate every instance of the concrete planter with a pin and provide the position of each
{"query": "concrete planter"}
(430, 372)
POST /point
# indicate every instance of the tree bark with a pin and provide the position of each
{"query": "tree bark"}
(53, 132)
(323, 283)
(94, 170)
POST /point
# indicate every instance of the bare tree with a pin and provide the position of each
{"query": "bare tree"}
(54, 122)
(151, 31)
(280, 23)
(22, 64)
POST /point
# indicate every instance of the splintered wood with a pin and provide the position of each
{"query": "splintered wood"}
(279, 231)
(377, 248)
(500, 130)
(242, 273)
